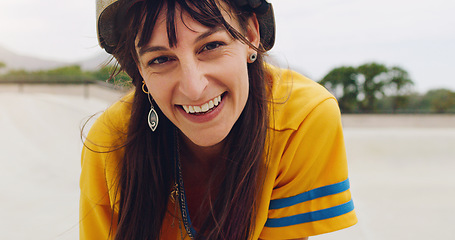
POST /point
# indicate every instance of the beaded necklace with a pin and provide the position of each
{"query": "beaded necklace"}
(179, 192)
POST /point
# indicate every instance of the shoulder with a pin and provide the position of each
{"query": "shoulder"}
(119, 113)
(306, 188)
(294, 97)
(112, 123)
(102, 151)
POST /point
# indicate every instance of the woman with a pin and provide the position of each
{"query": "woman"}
(213, 143)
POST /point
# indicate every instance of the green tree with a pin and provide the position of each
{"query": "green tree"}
(2, 65)
(369, 87)
(400, 85)
(440, 100)
(343, 84)
(399, 81)
(110, 74)
(374, 78)
(73, 70)
(72, 73)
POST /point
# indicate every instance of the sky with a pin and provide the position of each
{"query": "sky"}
(312, 36)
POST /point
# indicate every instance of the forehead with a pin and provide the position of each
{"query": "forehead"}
(169, 22)
(182, 21)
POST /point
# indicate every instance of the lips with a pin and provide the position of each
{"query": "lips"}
(204, 108)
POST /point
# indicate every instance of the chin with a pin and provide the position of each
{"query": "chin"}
(208, 143)
(204, 141)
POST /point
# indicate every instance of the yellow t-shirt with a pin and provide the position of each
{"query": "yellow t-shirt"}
(306, 190)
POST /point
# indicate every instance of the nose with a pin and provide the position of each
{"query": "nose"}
(193, 81)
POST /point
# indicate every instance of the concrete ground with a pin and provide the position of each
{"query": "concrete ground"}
(40, 164)
(402, 174)
(403, 183)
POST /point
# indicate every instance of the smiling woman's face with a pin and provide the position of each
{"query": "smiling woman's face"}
(200, 84)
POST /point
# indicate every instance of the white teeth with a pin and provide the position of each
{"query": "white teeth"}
(186, 108)
(204, 107)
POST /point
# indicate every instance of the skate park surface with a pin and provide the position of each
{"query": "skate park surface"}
(401, 168)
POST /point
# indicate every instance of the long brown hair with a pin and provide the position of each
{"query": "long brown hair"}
(147, 170)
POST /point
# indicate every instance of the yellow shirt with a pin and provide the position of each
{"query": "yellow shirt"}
(306, 190)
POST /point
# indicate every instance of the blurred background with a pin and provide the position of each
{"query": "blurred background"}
(389, 63)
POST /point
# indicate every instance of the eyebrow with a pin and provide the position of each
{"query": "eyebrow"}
(211, 31)
(145, 50)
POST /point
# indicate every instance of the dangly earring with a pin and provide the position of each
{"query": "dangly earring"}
(152, 118)
(253, 57)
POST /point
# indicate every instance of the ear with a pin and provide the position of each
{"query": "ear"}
(253, 34)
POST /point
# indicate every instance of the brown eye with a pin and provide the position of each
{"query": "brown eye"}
(212, 45)
(159, 60)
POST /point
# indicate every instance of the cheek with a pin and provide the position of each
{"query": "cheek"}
(237, 72)
(160, 92)
(160, 96)
(244, 88)
(243, 82)
(163, 101)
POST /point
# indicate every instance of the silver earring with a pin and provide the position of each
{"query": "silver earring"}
(152, 118)
(253, 57)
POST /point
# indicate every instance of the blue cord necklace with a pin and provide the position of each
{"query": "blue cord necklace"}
(181, 191)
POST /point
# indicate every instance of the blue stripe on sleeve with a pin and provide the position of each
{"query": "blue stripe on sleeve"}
(310, 195)
(311, 216)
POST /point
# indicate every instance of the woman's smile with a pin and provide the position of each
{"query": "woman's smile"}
(205, 112)
(204, 108)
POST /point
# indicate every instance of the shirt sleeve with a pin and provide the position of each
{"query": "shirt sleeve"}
(97, 219)
(311, 194)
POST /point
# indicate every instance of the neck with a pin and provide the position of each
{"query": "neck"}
(201, 156)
